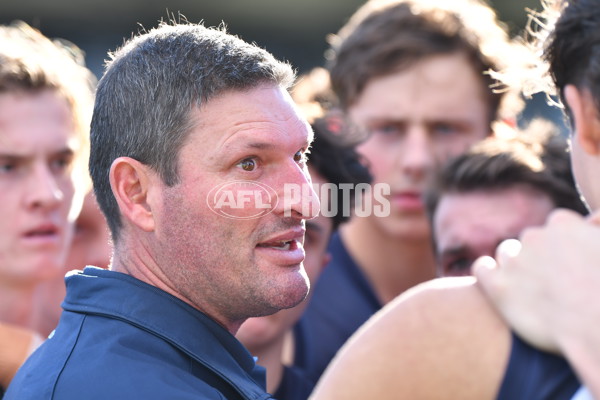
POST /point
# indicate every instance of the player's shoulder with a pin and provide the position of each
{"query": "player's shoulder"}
(421, 343)
(443, 305)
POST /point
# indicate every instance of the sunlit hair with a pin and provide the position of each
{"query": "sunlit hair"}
(388, 36)
(564, 44)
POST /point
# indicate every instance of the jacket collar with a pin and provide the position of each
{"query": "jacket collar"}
(120, 296)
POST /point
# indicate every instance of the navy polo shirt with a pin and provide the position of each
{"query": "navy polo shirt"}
(120, 338)
(342, 301)
(536, 375)
(293, 385)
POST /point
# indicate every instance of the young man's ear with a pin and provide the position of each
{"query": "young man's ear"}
(585, 118)
(131, 181)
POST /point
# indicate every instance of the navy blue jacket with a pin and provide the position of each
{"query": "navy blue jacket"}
(120, 338)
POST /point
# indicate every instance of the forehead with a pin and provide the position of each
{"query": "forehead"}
(473, 217)
(35, 120)
(440, 86)
(250, 116)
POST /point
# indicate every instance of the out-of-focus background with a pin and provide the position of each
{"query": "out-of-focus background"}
(294, 30)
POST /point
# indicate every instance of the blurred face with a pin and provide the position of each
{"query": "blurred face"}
(417, 119)
(242, 262)
(260, 332)
(37, 147)
(471, 225)
(91, 241)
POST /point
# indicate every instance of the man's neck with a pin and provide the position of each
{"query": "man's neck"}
(141, 265)
(391, 264)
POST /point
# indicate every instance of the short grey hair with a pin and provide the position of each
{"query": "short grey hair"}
(151, 85)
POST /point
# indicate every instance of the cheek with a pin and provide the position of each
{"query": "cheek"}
(380, 158)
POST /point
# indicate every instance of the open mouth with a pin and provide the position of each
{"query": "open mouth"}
(42, 232)
(279, 245)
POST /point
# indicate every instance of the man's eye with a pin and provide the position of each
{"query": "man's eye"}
(445, 129)
(388, 129)
(249, 164)
(7, 167)
(61, 163)
(459, 266)
(299, 156)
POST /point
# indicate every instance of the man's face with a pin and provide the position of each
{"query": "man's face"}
(37, 147)
(471, 225)
(260, 332)
(418, 118)
(218, 248)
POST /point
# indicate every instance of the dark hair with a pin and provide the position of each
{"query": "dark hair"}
(146, 96)
(537, 158)
(384, 37)
(572, 46)
(337, 162)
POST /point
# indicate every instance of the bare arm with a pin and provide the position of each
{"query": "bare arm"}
(16, 344)
(438, 340)
(548, 289)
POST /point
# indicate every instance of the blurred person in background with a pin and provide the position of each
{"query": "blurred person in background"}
(497, 189)
(412, 76)
(90, 246)
(46, 95)
(442, 339)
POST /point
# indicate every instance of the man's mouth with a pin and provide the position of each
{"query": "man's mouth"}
(284, 248)
(280, 245)
(42, 232)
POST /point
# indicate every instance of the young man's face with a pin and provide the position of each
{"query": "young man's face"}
(37, 147)
(418, 118)
(225, 244)
(470, 225)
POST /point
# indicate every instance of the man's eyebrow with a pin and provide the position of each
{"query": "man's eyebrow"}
(11, 156)
(259, 145)
(21, 156)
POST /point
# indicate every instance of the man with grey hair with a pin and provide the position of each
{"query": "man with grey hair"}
(194, 137)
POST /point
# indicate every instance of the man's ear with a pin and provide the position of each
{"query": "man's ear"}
(585, 117)
(131, 181)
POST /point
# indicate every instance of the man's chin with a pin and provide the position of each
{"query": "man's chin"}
(294, 295)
